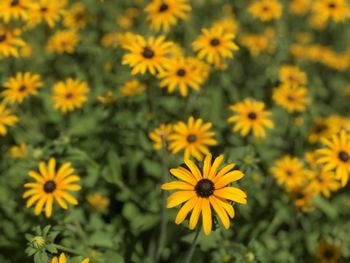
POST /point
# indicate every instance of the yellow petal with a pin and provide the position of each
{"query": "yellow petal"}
(177, 185)
(206, 216)
(195, 213)
(48, 208)
(179, 197)
(215, 166)
(185, 209)
(39, 205)
(231, 194)
(194, 169)
(184, 175)
(207, 165)
(220, 211)
(227, 179)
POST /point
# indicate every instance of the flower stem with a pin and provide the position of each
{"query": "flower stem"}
(71, 251)
(193, 246)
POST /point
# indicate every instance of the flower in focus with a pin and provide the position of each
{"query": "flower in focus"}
(98, 202)
(132, 88)
(163, 14)
(14, 9)
(215, 45)
(160, 136)
(147, 54)
(204, 192)
(18, 151)
(182, 73)
(292, 98)
(69, 95)
(265, 10)
(20, 86)
(10, 43)
(62, 259)
(336, 156)
(250, 116)
(63, 41)
(50, 186)
(193, 138)
(6, 119)
(47, 11)
(327, 253)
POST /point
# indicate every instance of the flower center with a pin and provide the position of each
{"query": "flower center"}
(69, 95)
(289, 173)
(266, 8)
(14, 2)
(320, 128)
(181, 72)
(290, 98)
(215, 42)
(43, 9)
(2, 38)
(332, 5)
(204, 188)
(328, 253)
(22, 88)
(147, 53)
(343, 156)
(252, 115)
(163, 7)
(49, 186)
(191, 138)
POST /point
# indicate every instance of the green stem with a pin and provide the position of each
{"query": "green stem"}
(71, 251)
(193, 246)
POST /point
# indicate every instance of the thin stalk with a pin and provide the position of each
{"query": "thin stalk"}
(193, 246)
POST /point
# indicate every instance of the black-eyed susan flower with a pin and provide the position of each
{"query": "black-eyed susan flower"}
(76, 17)
(17, 88)
(290, 172)
(250, 116)
(258, 43)
(205, 192)
(108, 99)
(160, 136)
(6, 119)
(18, 151)
(337, 10)
(292, 75)
(132, 88)
(292, 98)
(63, 41)
(14, 9)
(98, 202)
(163, 14)
(327, 253)
(321, 128)
(265, 10)
(215, 45)
(323, 182)
(51, 186)
(300, 7)
(336, 156)
(69, 95)
(10, 42)
(147, 55)
(192, 137)
(62, 259)
(182, 73)
(302, 198)
(47, 11)
(229, 24)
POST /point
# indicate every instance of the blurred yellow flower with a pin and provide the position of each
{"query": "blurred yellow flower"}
(160, 136)
(337, 10)
(10, 43)
(14, 9)
(62, 259)
(265, 10)
(6, 119)
(108, 99)
(98, 202)
(292, 75)
(290, 97)
(63, 41)
(48, 11)
(132, 88)
(18, 151)
(76, 17)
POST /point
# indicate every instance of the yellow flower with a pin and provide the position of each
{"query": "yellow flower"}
(108, 99)
(257, 43)
(132, 88)
(76, 17)
(193, 138)
(6, 119)
(338, 10)
(19, 87)
(126, 39)
(229, 24)
(18, 151)
(69, 95)
(10, 43)
(205, 192)
(250, 116)
(336, 156)
(322, 128)
(290, 172)
(14, 9)
(98, 202)
(302, 198)
(147, 54)
(124, 22)
(215, 45)
(63, 259)
(265, 10)
(300, 7)
(63, 41)
(47, 11)
(160, 136)
(110, 39)
(292, 75)
(163, 14)
(323, 182)
(327, 253)
(182, 73)
(292, 98)
(51, 186)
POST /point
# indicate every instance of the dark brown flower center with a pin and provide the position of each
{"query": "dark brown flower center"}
(22, 88)
(343, 156)
(191, 138)
(215, 42)
(289, 173)
(163, 7)
(266, 8)
(14, 2)
(320, 128)
(69, 95)
(49, 186)
(147, 53)
(290, 98)
(181, 72)
(252, 115)
(2, 37)
(204, 188)
(332, 5)
(43, 9)
(328, 253)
